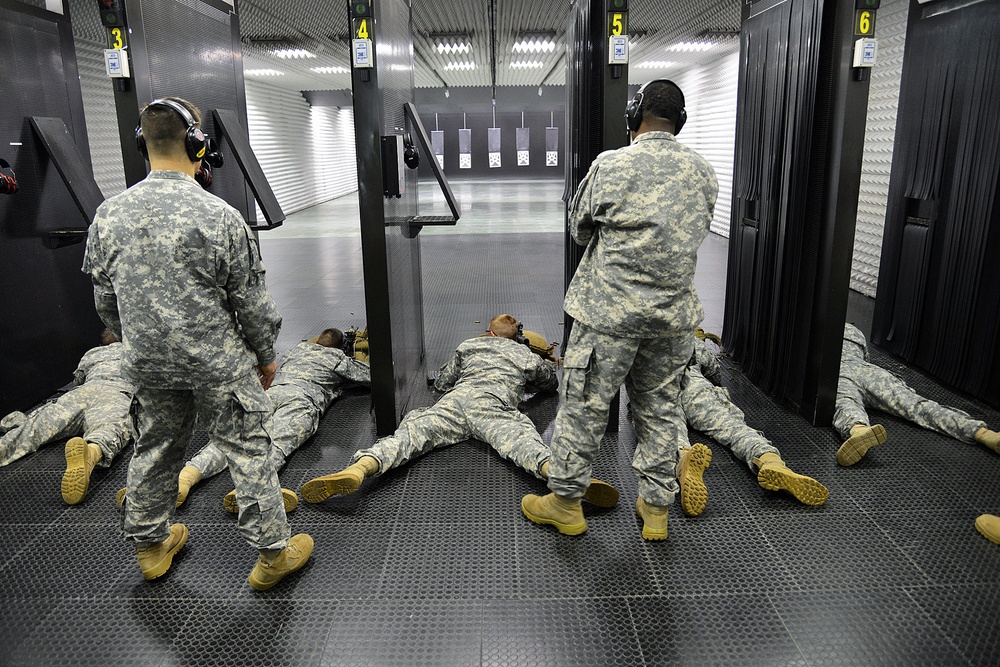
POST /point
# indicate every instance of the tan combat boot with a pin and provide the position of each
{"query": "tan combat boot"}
(188, 478)
(272, 567)
(691, 466)
(81, 457)
(988, 438)
(598, 494)
(155, 559)
(346, 481)
(654, 520)
(774, 475)
(288, 498)
(988, 526)
(552, 510)
(862, 439)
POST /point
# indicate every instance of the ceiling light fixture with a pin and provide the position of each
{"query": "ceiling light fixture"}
(445, 47)
(534, 45)
(263, 72)
(691, 46)
(331, 70)
(466, 66)
(526, 64)
(294, 53)
(655, 64)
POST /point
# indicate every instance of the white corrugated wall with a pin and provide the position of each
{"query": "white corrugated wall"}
(307, 153)
(880, 131)
(710, 98)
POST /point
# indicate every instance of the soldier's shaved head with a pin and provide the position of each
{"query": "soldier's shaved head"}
(504, 326)
(331, 338)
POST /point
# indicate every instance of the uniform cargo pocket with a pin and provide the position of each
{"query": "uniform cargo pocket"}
(251, 407)
(576, 369)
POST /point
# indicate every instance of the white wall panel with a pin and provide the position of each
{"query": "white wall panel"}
(880, 131)
(710, 98)
(307, 153)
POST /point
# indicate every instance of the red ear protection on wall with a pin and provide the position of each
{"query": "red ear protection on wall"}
(8, 184)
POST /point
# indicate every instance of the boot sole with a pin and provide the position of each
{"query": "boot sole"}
(601, 494)
(694, 493)
(161, 568)
(288, 498)
(856, 446)
(75, 481)
(564, 528)
(319, 489)
(805, 489)
(995, 539)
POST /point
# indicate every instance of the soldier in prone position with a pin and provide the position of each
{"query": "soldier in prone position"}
(484, 382)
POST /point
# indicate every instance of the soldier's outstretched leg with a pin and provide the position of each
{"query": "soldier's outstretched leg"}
(989, 439)
(850, 419)
(774, 475)
(53, 421)
(861, 438)
(988, 526)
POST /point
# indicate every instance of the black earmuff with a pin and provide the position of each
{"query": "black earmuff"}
(411, 157)
(195, 141)
(8, 184)
(633, 112)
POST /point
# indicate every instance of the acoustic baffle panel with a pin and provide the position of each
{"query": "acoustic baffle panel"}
(799, 140)
(522, 141)
(191, 49)
(391, 251)
(437, 141)
(465, 148)
(552, 147)
(493, 142)
(48, 303)
(938, 301)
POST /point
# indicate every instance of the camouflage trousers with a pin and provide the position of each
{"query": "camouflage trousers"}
(461, 414)
(234, 415)
(294, 421)
(594, 368)
(97, 410)
(709, 409)
(863, 385)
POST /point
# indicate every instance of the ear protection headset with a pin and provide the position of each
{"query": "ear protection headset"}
(195, 141)
(633, 112)
(410, 155)
(8, 184)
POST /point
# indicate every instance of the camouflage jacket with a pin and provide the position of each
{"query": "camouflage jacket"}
(497, 366)
(178, 278)
(102, 363)
(704, 362)
(643, 212)
(855, 344)
(321, 372)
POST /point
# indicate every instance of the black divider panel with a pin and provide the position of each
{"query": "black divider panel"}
(49, 319)
(800, 132)
(938, 302)
(191, 49)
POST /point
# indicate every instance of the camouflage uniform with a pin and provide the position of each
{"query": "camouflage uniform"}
(484, 381)
(178, 277)
(708, 408)
(97, 406)
(643, 212)
(864, 384)
(311, 378)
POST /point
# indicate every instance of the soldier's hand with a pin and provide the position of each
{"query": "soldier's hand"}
(266, 374)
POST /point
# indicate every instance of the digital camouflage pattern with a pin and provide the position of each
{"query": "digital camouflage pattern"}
(863, 384)
(595, 366)
(97, 407)
(234, 416)
(484, 380)
(643, 212)
(709, 409)
(309, 379)
(178, 278)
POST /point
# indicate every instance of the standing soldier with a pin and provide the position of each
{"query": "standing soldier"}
(643, 212)
(96, 407)
(484, 381)
(178, 277)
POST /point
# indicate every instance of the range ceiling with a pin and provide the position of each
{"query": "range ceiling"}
(452, 40)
